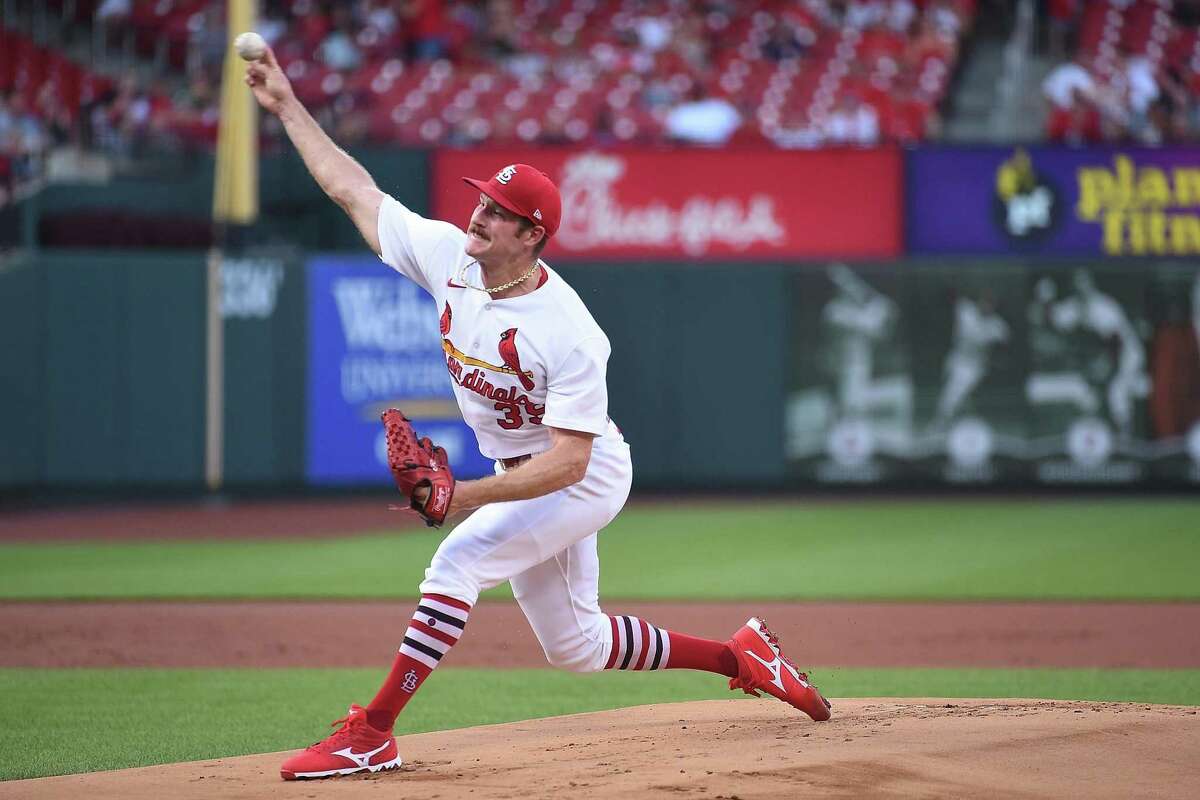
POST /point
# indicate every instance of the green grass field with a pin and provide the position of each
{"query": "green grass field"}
(907, 550)
(59, 721)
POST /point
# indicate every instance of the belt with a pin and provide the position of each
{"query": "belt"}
(515, 461)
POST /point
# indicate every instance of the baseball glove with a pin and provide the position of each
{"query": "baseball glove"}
(418, 464)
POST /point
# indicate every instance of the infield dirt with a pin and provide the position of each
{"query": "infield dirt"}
(729, 749)
(315, 634)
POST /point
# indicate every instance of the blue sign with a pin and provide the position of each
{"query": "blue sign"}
(1102, 201)
(373, 343)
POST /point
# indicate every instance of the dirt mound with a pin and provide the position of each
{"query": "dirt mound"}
(738, 749)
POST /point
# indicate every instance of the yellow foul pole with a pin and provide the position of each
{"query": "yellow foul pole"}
(235, 199)
(235, 202)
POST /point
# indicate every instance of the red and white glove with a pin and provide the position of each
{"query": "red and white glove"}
(420, 469)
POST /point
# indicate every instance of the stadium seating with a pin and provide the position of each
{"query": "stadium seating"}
(1118, 38)
(27, 69)
(606, 70)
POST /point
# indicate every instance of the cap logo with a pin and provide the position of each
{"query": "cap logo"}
(537, 213)
(505, 175)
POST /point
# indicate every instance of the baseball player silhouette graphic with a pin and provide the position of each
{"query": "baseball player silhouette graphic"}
(527, 363)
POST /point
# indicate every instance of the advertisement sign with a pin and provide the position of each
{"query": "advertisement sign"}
(1054, 201)
(989, 373)
(374, 343)
(691, 204)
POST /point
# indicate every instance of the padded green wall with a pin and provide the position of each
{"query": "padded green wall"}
(265, 368)
(22, 346)
(696, 377)
(123, 368)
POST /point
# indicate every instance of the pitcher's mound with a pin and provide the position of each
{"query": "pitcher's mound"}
(738, 749)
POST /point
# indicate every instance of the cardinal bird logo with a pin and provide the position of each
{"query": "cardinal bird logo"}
(444, 323)
(508, 353)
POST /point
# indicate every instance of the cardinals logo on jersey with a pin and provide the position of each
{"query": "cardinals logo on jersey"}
(518, 408)
(444, 322)
(457, 359)
(508, 353)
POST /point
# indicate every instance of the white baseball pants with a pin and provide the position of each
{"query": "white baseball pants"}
(546, 548)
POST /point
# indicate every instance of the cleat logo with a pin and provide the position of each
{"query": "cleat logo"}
(777, 665)
(361, 759)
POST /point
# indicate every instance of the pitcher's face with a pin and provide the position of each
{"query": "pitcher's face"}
(496, 235)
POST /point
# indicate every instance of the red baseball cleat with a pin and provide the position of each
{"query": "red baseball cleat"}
(355, 747)
(762, 665)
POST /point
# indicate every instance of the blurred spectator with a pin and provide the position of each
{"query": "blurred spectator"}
(429, 27)
(1067, 83)
(60, 126)
(946, 17)
(783, 42)
(382, 16)
(500, 37)
(1139, 89)
(194, 112)
(338, 50)
(654, 33)
(114, 10)
(1074, 117)
(659, 93)
(901, 15)
(310, 24)
(691, 44)
(272, 24)
(23, 139)
(207, 42)
(702, 119)
(128, 118)
(852, 122)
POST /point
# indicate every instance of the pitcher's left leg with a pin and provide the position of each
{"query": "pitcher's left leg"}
(560, 598)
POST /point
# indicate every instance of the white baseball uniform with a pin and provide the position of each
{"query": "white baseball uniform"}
(518, 365)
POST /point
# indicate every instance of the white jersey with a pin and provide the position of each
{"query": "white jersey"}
(518, 364)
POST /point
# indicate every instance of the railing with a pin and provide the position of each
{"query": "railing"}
(1006, 115)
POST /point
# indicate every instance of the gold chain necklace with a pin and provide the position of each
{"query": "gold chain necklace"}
(462, 278)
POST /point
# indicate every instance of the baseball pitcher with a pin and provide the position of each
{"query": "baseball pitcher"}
(527, 363)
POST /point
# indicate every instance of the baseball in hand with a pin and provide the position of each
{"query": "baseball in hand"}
(250, 46)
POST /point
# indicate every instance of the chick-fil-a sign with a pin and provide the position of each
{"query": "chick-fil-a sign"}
(690, 204)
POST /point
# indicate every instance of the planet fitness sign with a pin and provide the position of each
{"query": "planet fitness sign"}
(1109, 201)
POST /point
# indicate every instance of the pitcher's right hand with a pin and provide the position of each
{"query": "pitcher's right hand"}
(271, 87)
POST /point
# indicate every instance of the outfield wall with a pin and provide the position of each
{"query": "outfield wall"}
(934, 372)
(1003, 316)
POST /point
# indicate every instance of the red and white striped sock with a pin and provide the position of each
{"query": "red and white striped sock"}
(436, 625)
(638, 645)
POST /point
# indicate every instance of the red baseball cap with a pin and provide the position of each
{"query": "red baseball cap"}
(527, 192)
